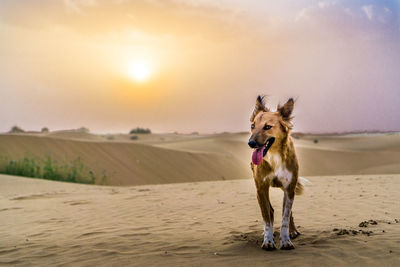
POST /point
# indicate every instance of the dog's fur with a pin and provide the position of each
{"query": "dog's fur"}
(279, 168)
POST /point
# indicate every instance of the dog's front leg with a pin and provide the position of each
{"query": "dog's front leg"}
(268, 215)
(288, 198)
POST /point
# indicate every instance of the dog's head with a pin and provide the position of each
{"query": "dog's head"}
(269, 129)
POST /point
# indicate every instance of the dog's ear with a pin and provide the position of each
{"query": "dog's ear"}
(286, 110)
(260, 106)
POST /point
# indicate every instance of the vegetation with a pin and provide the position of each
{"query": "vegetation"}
(50, 169)
(139, 130)
(83, 130)
(45, 130)
(315, 141)
(134, 137)
(16, 129)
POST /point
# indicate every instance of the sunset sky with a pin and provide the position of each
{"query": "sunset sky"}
(186, 65)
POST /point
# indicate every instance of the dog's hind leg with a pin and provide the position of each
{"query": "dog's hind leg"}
(293, 233)
(268, 215)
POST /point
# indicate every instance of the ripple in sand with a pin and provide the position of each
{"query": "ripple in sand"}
(12, 208)
(38, 196)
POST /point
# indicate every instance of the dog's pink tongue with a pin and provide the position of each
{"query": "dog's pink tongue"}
(257, 155)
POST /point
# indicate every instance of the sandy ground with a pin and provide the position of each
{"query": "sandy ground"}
(197, 224)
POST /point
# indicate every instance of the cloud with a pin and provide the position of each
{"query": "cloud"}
(326, 4)
(74, 6)
(166, 17)
(368, 10)
(353, 19)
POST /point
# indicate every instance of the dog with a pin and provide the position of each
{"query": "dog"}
(274, 163)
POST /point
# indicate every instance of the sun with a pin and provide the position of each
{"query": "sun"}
(139, 71)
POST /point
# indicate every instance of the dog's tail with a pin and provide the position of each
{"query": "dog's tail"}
(301, 183)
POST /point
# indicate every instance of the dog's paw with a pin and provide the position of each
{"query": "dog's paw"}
(287, 245)
(294, 234)
(268, 245)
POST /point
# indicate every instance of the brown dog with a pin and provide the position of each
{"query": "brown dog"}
(274, 163)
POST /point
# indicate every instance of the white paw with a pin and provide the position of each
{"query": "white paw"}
(286, 243)
(268, 243)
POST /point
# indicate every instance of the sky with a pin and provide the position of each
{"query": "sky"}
(185, 65)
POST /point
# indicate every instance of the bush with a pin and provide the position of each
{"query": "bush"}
(45, 130)
(83, 130)
(134, 137)
(315, 141)
(110, 137)
(16, 129)
(50, 169)
(139, 130)
(26, 167)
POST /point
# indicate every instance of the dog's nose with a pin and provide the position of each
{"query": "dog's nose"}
(252, 144)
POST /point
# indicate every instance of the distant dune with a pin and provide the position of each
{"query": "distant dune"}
(126, 163)
(363, 154)
(367, 154)
(171, 158)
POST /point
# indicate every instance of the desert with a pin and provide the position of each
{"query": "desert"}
(348, 215)
(199, 133)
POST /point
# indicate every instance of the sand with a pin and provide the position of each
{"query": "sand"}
(197, 224)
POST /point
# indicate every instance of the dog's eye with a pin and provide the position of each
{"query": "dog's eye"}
(252, 126)
(267, 127)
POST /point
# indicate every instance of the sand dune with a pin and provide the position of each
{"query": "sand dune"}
(371, 154)
(127, 163)
(364, 154)
(170, 158)
(196, 224)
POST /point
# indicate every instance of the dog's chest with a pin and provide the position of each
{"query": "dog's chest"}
(279, 170)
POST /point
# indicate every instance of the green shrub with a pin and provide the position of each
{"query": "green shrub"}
(16, 129)
(83, 130)
(45, 130)
(134, 137)
(139, 130)
(26, 167)
(51, 170)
